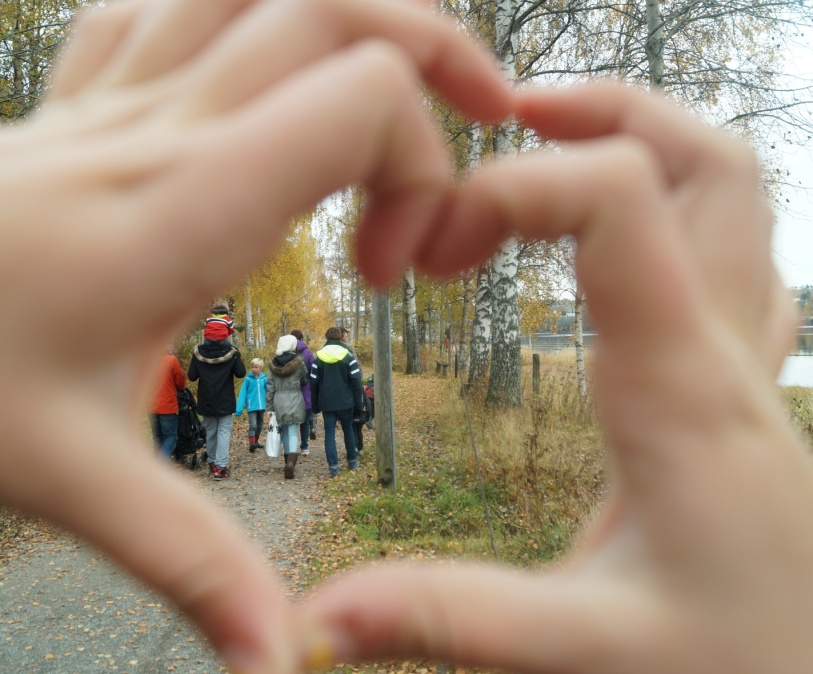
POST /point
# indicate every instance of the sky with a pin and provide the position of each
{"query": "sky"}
(793, 236)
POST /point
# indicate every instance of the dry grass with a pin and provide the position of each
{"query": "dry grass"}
(798, 401)
(543, 463)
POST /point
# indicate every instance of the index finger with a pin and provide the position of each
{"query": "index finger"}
(678, 141)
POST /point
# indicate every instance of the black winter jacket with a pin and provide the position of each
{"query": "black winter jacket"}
(216, 365)
(335, 379)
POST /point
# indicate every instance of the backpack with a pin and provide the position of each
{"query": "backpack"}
(369, 387)
(191, 435)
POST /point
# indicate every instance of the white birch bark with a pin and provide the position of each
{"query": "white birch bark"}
(357, 312)
(481, 327)
(413, 350)
(474, 153)
(654, 42)
(260, 329)
(578, 333)
(504, 385)
(462, 358)
(250, 341)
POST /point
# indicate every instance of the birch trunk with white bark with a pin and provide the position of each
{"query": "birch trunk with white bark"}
(504, 384)
(654, 42)
(250, 341)
(413, 351)
(481, 327)
(578, 332)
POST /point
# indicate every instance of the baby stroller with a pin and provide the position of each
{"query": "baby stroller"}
(191, 434)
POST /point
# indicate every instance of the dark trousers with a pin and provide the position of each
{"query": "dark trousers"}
(305, 429)
(332, 455)
(165, 432)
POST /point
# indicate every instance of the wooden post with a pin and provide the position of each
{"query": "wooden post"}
(382, 366)
(536, 373)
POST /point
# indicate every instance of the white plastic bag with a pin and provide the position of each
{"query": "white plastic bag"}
(273, 440)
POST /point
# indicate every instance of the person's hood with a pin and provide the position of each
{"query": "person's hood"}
(214, 353)
(332, 352)
(285, 365)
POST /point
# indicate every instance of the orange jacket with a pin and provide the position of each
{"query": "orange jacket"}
(170, 380)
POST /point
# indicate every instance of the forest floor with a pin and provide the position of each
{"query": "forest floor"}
(67, 610)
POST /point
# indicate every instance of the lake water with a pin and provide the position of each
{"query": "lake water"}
(796, 371)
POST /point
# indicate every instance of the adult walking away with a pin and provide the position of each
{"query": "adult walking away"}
(336, 392)
(346, 341)
(288, 375)
(164, 411)
(307, 429)
(217, 365)
(358, 421)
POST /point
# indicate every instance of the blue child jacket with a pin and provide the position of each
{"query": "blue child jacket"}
(252, 393)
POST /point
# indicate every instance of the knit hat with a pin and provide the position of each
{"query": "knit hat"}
(286, 343)
(218, 326)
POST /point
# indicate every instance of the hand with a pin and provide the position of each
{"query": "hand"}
(148, 139)
(700, 561)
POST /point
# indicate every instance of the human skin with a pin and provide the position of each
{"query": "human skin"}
(152, 155)
(162, 142)
(700, 561)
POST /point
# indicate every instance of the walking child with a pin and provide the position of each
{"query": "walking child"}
(149, 169)
(252, 398)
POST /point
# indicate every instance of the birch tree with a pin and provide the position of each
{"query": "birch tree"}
(481, 326)
(413, 351)
(288, 290)
(250, 341)
(578, 333)
(504, 383)
(462, 351)
(31, 32)
(504, 374)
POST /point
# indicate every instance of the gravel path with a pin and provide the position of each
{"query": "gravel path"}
(66, 610)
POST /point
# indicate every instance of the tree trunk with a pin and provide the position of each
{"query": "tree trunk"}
(357, 316)
(382, 367)
(481, 327)
(260, 329)
(250, 341)
(413, 350)
(464, 323)
(654, 42)
(504, 384)
(578, 332)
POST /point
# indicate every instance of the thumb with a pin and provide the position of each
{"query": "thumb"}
(162, 531)
(482, 617)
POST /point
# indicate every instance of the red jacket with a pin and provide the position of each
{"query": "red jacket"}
(170, 380)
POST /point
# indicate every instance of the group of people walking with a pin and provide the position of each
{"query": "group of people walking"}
(297, 387)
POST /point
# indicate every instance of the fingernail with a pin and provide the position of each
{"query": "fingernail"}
(320, 652)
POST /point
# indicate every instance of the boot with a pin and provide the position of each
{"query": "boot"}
(252, 443)
(290, 464)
